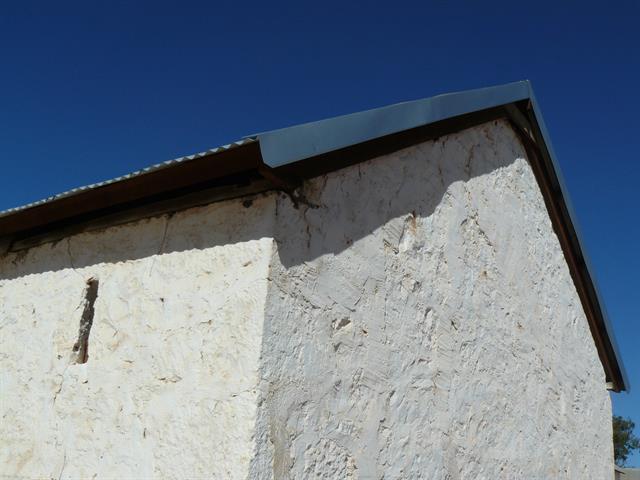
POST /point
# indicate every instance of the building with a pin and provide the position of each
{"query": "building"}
(627, 473)
(400, 292)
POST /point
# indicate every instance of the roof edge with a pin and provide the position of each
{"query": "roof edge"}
(574, 224)
(292, 144)
(144, 171)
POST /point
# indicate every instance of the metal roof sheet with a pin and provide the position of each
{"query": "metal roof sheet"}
(289, 145)
(137, 173)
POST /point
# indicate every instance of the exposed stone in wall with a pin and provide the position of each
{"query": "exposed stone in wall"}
(421, 322)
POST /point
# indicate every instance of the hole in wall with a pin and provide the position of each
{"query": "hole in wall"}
(341, 323)
(81, 347)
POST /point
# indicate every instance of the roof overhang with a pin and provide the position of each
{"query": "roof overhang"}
(281, 158)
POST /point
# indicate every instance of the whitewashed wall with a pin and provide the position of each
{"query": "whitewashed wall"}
(422, 323)
(418, 321)
(169, 389)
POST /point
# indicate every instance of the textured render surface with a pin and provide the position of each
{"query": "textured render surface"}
(422, 323)
(169, 389)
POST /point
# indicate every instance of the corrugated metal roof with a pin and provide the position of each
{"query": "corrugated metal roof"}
(144, 171)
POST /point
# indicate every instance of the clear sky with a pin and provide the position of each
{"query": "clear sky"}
(92, 90)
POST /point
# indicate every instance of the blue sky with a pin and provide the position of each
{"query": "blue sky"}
(92, 90)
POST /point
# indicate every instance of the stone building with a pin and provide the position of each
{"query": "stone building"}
(397, 293)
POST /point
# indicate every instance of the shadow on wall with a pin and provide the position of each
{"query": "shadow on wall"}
(345, 206)
(354, 202)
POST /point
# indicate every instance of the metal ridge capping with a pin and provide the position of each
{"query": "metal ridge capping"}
(289, 145)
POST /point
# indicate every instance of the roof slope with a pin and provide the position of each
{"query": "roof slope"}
(147, 170)
(280, 158)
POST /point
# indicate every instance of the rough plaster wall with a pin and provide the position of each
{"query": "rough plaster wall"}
(169, 389)
(422, 323)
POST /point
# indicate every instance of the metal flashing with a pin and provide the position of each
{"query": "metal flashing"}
(292, 144)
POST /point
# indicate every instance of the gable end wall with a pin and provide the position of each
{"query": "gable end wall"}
(422, 322)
